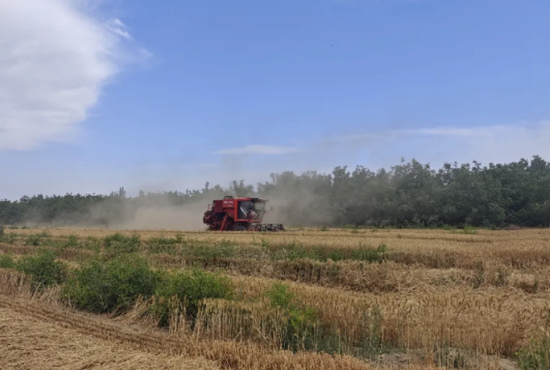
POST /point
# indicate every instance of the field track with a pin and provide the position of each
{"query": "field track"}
(35, 335)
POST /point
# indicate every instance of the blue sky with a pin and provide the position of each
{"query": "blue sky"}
(167, 95)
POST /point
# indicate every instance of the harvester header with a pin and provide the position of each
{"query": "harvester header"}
(238, 214)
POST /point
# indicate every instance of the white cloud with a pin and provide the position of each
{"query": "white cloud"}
(55, 57)
(259, 149)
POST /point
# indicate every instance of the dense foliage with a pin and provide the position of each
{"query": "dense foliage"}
(105, 286)
(44, 269)
(407, 195)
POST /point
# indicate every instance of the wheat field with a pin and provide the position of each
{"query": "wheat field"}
(471, 299)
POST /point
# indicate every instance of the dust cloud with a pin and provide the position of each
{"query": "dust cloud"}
(291, 206)
(157, 212)
(186, 217)
(300, 198)
(298, 207)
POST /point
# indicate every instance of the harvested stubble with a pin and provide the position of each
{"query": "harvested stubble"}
(371, 277)
(27, 342)
(487, 292)
(355, 275)
(515, 247)
(67, 340)
(519, 258)
(430, 248)
(149, 344)
(493, 321)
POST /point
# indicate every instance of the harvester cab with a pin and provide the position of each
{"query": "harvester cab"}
(238, 214)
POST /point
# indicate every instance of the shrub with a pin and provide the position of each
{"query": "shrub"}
(120, 244)
(371, 254)
(43, 268)
(305, 330)
(479, 277)
(469, 230)
(190, 288)
(295, 250)
(223, 250)
(103, 287)
(1, 231)
(301, 319)
(9, 238)
(33, 239)
(72, 241)
(36, 239)
(280, 296)
(371, 345)
(163, 245)
(91, 243)
(535, 355)
(7, 262)
(292, 251)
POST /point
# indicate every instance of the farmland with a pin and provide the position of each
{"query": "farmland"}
(312, 298)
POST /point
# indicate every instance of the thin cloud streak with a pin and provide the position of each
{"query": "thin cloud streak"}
(116, 26)
(475, 131)
(259, 149)
(496, 143)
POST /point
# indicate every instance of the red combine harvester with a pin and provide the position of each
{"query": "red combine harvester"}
(238, 214)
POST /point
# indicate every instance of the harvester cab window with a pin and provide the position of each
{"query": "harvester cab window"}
(259, 207)
(244, 208)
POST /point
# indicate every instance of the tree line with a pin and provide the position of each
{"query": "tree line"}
(410, 194)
